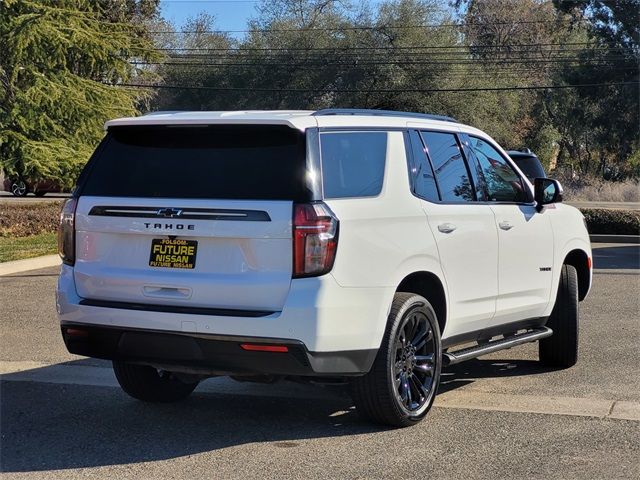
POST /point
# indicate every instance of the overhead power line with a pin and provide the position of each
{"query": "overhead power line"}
(366, 55)
(465, 48)
(377, 90)
(317, 63)
(363, 27)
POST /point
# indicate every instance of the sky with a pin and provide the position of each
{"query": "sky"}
(230, 14)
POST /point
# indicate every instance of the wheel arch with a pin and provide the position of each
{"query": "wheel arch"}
(580, 260)
(428, 285)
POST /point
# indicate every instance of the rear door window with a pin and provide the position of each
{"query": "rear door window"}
(449, 167)
(353, 163)
(422, 177)
(256, 162)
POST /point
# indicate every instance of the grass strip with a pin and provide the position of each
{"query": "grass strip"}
(19, 248)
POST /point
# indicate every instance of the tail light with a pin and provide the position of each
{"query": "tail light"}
(315, 239)
(67, 232)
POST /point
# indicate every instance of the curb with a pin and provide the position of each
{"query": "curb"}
(615, 239)
(17, 266)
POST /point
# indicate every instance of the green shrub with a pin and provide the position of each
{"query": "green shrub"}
(612, 222)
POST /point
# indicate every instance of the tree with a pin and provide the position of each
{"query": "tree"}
(191, 53)
(58, 61)
(610, 136)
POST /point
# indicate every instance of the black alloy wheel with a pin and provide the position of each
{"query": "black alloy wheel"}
(402, 383)
(414, 364)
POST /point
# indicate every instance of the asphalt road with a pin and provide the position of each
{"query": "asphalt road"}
(501, 416)
(607, 205)
(7, 197)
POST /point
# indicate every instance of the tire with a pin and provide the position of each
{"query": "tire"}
(386, 394)
(149, 384)
(19, 188)
(40, 193)
(561, 349)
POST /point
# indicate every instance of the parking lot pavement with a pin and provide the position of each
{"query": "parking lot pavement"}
(499, 416)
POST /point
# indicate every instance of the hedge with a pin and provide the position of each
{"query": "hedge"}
(612, 222)
(23, 220)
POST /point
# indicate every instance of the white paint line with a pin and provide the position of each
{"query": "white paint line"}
(459, 398)
(17, 266)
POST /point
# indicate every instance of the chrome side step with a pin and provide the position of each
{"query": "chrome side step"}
(451, 358)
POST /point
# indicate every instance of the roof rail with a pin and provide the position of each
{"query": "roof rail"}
(162, 112)
(383, 113)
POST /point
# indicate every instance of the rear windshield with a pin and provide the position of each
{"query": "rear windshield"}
(530, 166)
(215, 162)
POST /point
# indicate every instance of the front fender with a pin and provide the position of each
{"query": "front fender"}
(570, 235)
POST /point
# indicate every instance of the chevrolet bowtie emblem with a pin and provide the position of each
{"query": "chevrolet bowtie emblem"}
(169, 212)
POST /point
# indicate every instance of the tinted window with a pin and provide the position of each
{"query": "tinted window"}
(502, 183)
(353, 163)
(232, 162)
(530, 166)
(449, 166)
(422, 179)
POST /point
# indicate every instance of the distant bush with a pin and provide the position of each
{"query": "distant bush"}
(28, 219)
(612, 222)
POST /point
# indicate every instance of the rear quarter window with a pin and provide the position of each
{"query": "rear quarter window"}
(353, 163)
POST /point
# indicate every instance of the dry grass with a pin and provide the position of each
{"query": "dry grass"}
(592, 189)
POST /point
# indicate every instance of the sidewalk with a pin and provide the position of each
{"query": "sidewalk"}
(16, 266)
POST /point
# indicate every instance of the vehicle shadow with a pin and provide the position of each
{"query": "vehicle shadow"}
(456, 376)
(626, 257)
(48, 426)
(56, 426)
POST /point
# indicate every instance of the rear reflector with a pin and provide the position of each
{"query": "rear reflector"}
(76, 332)
(256, 347)
(589, 263)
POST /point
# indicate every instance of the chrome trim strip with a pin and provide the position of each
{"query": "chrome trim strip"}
(185, 213)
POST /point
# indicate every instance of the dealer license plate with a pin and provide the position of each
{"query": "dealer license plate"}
(173, 253)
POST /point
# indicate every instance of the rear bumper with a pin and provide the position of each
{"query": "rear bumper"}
(338, 329)
(210, 355)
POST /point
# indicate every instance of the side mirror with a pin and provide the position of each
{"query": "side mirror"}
(546, 191)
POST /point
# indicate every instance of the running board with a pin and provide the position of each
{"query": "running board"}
(451, 358)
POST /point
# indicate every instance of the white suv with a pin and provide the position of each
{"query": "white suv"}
(359, 244)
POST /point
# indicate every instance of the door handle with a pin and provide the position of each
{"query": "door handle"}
(505, 225)
(446, 227)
